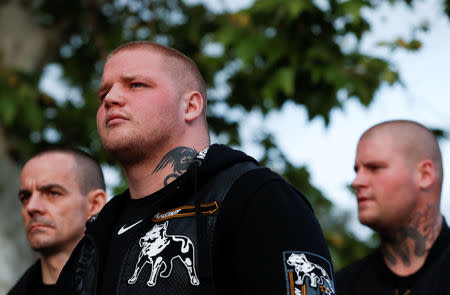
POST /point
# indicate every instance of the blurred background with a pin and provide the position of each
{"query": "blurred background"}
(293, 83)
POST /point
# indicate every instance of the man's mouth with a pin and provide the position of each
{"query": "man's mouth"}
(39, 227)
(363, 200)
(114, 119)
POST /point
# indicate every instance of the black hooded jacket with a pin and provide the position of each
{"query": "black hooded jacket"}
(26, 282)
(31, 283)
(260, 237)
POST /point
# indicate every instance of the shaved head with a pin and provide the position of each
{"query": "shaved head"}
(412, 140)
(181, 67)
(88, 172)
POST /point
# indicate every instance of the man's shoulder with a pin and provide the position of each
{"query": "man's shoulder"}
(356, 272)
(358, 265)
(267, 186)
(29, 277)
(254, 179)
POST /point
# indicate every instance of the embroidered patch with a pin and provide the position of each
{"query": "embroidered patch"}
(185, 211)
(160, 250)
(307, 274)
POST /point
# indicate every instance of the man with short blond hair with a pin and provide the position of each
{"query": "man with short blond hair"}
(197, 218)
(398, 187)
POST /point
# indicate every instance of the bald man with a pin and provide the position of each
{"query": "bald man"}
(60, 189)
(398, 185)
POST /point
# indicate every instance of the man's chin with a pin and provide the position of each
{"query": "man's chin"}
(367, 221)
(44, 247)
(126, 154)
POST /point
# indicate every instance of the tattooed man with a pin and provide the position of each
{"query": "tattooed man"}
(398, 188)
(196, 218)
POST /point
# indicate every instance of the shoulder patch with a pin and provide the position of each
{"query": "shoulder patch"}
(307, 274)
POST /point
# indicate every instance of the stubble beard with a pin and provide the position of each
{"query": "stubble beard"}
(132, 149)
(124, 152)
(43, 245)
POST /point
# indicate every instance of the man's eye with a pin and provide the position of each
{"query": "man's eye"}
(374, 168)
(137, 85)
(53, 193)
(24, 197)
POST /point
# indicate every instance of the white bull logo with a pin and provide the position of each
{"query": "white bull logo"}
(304, 268)
(160, 249)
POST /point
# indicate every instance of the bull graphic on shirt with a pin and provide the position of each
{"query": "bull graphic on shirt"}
(310, 277)
(160, 250)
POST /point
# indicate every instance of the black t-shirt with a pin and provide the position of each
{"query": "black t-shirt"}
(126, 230)
(43, 289)
(371, 276)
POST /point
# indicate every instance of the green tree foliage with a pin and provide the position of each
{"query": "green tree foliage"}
(270, 53)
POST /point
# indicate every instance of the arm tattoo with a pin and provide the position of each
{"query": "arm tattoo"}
(180, 158)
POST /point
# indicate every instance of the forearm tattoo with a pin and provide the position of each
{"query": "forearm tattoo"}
(180, 158)
(423, 228)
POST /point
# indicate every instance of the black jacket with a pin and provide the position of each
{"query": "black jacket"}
(262, 239)
(27, 280)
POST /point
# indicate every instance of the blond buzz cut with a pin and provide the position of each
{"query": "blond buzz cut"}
(183, 68)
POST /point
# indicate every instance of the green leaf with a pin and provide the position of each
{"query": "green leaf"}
(8, 109)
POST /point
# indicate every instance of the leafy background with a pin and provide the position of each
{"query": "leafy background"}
(255, 59)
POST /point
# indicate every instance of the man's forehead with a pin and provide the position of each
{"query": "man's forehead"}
(56, 164)
(132, 61)
(380, 148)
(53, 156)
(125, 54)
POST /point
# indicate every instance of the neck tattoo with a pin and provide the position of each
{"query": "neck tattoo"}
(180, 158)
(423, 228)
(398, 246)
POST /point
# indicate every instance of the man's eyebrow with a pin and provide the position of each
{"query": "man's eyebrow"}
(50, 186)
(131, 77)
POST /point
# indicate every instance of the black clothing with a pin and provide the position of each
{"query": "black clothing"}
(134, 212)
(261, 237)
(31, 283)
(371, 275)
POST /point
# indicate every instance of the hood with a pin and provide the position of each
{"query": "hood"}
(207, 164)
(216, 158)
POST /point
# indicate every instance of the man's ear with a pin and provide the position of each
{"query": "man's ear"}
(426, 174)
(96, 201)
(193, 106)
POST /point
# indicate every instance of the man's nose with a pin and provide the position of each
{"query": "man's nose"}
(360, 180)
(114, 97)
(35, 204)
